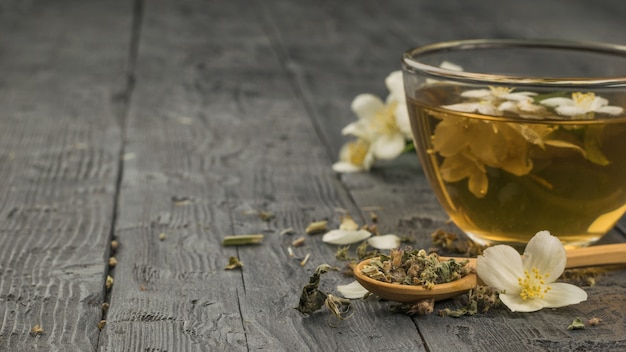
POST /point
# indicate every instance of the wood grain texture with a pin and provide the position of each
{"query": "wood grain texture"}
(62, 66)
(216, 132)
(231, 108)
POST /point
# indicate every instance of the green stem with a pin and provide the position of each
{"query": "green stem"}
(239, 240)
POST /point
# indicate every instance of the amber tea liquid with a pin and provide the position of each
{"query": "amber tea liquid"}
(577, 192)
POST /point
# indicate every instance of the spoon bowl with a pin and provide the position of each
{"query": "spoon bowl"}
(581, 257)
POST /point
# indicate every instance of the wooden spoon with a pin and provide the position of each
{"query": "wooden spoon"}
(580, 257)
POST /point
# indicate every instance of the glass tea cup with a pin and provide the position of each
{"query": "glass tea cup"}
(518, 136)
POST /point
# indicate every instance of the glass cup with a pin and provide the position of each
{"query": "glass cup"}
(518, 136)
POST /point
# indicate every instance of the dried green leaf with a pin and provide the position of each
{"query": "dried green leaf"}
(577, 324)
(312, 298)
(234, 263)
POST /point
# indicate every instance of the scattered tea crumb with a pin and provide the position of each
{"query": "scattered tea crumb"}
(234, 263)
(363, 251)
(238, 240)
(36, 330)
(142, 288)
(373, 216)
(577, 324)
(452, 242)
(339, 307)
(101, 324)
(109, 282)
(312, 298)
(348, 223)
(423, 307)
(373, 228)
(298, 242)
(594, 321)
(290, 252)
(112, 261)
(287, 231)
(266, 216)
(316, 227)
(162, 236)
(114, 244)
(479, 299)
(129, 156)
(342, 253)
(105, 307)
(305, 260)
(582, 276)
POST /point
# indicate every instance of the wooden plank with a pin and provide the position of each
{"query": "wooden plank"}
(62, 65)
(216, 132)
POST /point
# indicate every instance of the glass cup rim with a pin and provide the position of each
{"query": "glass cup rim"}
(411, 64)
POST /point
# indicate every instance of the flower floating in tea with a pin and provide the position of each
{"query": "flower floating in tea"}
(527, 283)
(491, 101)
(582, 104)
(469, 146)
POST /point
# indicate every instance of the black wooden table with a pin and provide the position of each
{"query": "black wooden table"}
(167, 125)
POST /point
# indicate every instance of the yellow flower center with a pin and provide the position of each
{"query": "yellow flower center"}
(583, 100)
(533, 284)
(357, 151)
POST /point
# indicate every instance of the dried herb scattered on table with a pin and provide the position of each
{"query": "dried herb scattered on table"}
(312, 298)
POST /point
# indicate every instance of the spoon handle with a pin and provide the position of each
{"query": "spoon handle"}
(596, 255)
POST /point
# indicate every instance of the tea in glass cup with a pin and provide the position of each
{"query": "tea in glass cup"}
(518, 136)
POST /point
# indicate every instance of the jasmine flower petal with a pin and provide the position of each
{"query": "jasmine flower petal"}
(552, 102)
(462, 107)
(344, 237)
(353, 290)
(388, 147)
(516, 304)
(395, 85)
(384, 242)
(500, 267)
(611, 110)
(476, 93)
(403, 121)
(569, 110)
(344, 167)
(546, 252)
(562, 294)
(365, 106)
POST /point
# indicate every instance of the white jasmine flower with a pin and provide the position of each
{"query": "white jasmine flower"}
(527, 283)
(524, 108)
(384, 242)
(352, 290)
(395, 84)
(484, 107)
(377, 125)
(355, 156)
(581, 104)
(498, 93)
(494, 101)
(344, 237)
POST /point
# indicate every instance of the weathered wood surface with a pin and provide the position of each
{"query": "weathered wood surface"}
(236, 108)
(62, 73)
